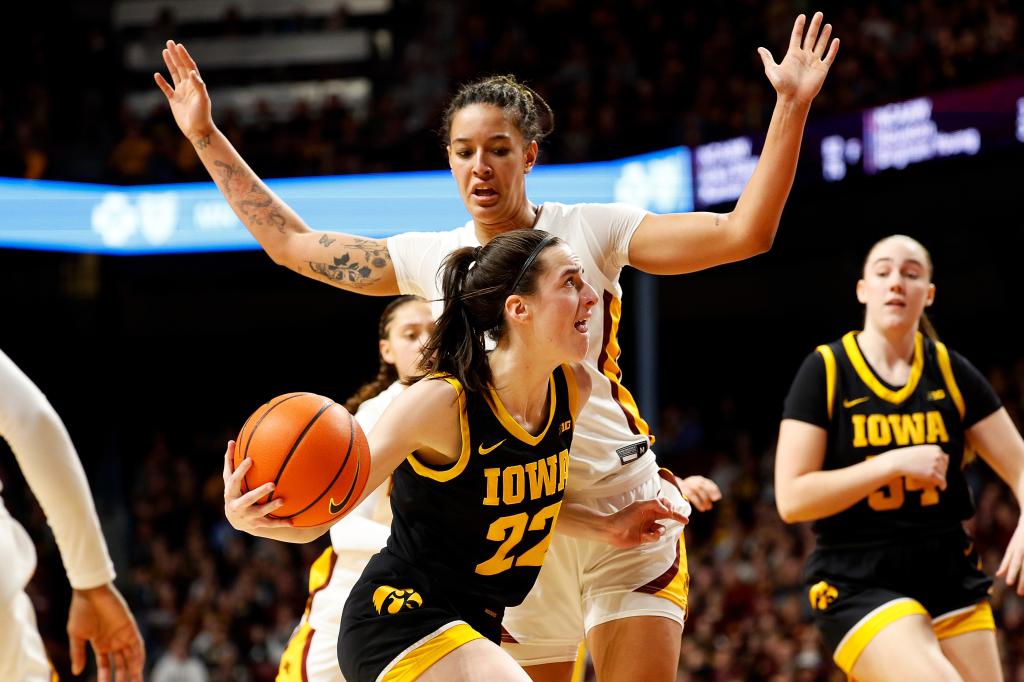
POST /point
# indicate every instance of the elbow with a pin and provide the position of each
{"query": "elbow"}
(786, 513)
(755, 236)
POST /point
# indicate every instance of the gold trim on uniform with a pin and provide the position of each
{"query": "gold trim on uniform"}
(512, 426)
(961, 621)
(445, 475)
(830, 376)
(869, 378)
(947, 373)
(414, 662)
(293, 660)
(861, 634)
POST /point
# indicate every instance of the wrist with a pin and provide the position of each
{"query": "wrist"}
(201, 138)
(791, 105)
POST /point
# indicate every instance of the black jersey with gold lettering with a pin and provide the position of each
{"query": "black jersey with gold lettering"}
(483, 524)
(944, 395)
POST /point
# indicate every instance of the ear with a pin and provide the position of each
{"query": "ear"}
(386, 352)
(861, 294)
(531, 156)
(516, 309)
(448, 150)
(931, 296)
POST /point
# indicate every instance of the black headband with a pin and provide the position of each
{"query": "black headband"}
(529, 261)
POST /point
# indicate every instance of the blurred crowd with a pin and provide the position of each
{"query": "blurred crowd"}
(214, 604)
(622, 78)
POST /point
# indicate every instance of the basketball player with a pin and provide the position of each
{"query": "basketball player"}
(872, 449)
(476, 501)
(621, 599)
(312, 652)
(98, 613)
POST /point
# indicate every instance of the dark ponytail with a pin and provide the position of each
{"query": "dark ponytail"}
(475, 284)
(387, 374)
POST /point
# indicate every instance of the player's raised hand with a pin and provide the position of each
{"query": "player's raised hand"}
(101, 617)
(190, 103)
(243, 511)
(803, 69)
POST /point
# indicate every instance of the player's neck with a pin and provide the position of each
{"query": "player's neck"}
(889, 350)
(522, 383)
(525, 217)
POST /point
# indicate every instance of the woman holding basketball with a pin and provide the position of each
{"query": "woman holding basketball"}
(312, 653)
(872, 449)
(619, 599)
(479, 454)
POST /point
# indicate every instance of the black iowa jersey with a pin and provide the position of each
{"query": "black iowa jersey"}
(483, 524)
(866, 417)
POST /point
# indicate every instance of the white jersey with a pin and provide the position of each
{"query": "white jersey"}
(610, 434)
(356, 537)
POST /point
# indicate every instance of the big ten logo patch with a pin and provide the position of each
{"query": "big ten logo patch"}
(822, 595)
(565, 426)
(387, 599)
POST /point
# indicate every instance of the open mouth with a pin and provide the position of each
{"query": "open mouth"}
(581, 326)
(484, 192)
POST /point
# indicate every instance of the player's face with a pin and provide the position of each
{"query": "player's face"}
(896, 286)
(563, 304)
(410, 328)
(490, 160)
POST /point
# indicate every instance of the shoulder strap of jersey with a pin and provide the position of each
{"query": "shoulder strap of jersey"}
(942, 354)
(447, 474)
(830, 376)
(572, 389)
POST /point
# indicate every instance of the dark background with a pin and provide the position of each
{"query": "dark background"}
(154, 362)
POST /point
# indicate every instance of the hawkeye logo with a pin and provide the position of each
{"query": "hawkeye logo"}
(486, 451)
(391, 600)
(822, 595)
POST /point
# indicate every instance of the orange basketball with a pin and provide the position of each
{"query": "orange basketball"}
(314, 452)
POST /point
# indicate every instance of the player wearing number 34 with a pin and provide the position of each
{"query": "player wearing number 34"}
(479, 449)
(872, 449)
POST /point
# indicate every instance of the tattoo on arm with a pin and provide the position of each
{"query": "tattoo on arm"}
(359, 266)
(254, 203)
(326, 241)
(203, 142)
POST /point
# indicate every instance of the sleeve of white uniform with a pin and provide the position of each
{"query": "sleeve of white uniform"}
(54, 473)
(415, 261)
(613, 226)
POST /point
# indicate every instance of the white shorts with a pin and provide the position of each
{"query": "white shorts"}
(584, 583)
(22, 655)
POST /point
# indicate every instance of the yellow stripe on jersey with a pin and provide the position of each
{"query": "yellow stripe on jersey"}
(861, 634)
(409, 666)
(445, 475)
(579, 668)
(869, 378)
(292, 667)
(978, 617)
(512, 426)
(830, 376)
(320, 571)
(574, 390)
(947, 373)
(609, 366)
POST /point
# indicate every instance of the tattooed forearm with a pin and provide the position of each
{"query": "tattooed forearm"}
(254, 205)
(203, 142)
(359, 266)
(326, 241)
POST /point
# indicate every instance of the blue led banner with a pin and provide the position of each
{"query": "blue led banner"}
(194, 217)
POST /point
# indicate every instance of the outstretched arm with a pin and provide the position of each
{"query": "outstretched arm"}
(685, 242)
(342, 260)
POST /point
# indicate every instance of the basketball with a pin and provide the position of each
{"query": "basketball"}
(313, 451)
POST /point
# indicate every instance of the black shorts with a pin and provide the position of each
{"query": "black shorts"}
(855, 592)
(400, 621)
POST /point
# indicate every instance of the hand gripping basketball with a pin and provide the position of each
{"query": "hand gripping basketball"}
(244, 512)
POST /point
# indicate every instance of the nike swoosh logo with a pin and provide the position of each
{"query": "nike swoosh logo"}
(485, 451)
(334, 508)
(855, 401)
